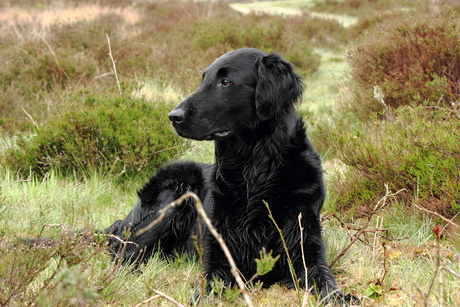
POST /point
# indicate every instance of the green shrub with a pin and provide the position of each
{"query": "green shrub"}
(412, 60)
(417, 150)
(317, 32)
(264, 32)
(119, 135)
(64, 59)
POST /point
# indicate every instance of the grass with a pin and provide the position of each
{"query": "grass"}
(392, 264)
(326, 86)
(406, 262)
(61, 13)
(96, 202)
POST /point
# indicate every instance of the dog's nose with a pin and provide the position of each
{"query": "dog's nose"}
(177, 115)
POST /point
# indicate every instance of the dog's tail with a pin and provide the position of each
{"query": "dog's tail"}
(87, 237)
(35, 243)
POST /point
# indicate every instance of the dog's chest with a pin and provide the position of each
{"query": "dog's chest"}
(242, 220)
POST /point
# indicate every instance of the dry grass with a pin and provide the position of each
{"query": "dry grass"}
(38, 21)
(152, 90)
(63, 14)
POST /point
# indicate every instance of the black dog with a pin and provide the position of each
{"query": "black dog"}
(246, 104)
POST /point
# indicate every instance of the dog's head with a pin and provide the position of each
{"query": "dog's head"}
(239, 90)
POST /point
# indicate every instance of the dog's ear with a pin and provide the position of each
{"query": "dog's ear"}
(278, 87)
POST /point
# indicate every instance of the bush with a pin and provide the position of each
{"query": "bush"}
(63, 59)
(417, 150)
(318, 32)
(411, 60)
(215, 37)
(117, 135)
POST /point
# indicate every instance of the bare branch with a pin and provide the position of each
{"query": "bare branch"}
(147, 300)
(201, 212)
(438, 215)
(161, 214)
(380, 205)
(307, 290)
(223, 246)
(160, 294)
(113, 63)
(116, 238)
(450, 271)
(168, 298)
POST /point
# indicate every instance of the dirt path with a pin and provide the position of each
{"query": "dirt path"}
(290, 8)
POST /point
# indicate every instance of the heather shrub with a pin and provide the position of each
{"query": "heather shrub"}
(63, 59)
(417, 150)
(318, 32)
(264, 32)
(412, 60)
(65, 273)
(119, 135)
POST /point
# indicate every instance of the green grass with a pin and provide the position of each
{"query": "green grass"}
(96, 202)
(410, 258)
(93, 203)
(326, 87)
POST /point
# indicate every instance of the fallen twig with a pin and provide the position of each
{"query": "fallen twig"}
(160, 294)
(450, 271)
(168, 298)
(148, 300)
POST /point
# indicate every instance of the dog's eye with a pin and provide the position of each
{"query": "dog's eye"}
(225, 82)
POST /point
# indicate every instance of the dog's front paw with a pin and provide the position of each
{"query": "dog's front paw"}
(339, 299)
(352, 300)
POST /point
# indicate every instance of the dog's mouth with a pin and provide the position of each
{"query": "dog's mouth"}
(221, 134)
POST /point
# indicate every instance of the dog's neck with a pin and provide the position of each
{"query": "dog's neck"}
(263, 150)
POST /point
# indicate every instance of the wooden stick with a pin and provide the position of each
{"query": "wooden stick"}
(113, 63)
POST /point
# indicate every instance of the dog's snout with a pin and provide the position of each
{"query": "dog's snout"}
(177, 115)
